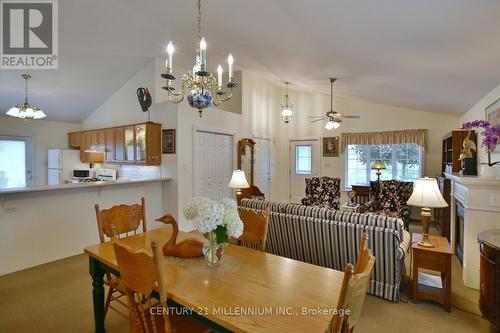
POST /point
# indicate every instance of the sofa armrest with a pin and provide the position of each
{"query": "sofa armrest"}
(405, 244)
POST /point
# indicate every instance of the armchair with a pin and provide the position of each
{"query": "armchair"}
(389, 197)
(323, 192)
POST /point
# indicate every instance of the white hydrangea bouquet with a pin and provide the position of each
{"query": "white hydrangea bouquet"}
(217, 221)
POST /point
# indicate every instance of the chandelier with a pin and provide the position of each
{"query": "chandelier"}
(286, 107)
(26, 111)
(204, 89)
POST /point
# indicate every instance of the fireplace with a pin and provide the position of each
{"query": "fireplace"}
(459, 231)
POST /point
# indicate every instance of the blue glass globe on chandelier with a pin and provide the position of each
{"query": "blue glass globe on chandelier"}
(204, 88)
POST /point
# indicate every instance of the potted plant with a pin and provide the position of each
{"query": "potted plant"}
(490, 136)
(217, 221)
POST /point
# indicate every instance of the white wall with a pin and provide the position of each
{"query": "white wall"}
(251, 121)
(39, 227)
(477, 112)
(44, 135)
(260, 116)
(123, 108)
(266, 96)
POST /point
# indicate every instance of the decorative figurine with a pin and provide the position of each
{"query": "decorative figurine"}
(469, 162)
(188, 248)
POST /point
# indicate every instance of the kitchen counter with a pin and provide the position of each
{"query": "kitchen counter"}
(79, 185)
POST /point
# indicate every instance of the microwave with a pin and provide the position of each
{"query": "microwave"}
(81, 173)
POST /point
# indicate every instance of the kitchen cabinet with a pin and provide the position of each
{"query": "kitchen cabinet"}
(138, 144)
(129, 134)
(74, 139)
(109, 135)
(119, 144)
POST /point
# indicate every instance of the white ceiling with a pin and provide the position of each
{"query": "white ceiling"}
(438, 55)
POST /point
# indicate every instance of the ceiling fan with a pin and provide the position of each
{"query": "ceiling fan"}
(334, 117)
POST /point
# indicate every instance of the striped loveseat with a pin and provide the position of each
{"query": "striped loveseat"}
(330, 238)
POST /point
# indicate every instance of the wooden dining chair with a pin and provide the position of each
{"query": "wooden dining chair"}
(126, 220)
(255, 229)
(353, 291)
(142, 274)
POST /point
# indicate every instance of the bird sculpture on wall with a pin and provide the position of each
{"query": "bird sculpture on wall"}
(144, 97)
(188, 248)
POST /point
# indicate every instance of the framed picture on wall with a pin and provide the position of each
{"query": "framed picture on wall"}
(493, 116)
(168, 141)
(331, 147)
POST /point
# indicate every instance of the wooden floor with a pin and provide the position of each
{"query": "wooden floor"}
(56, 297)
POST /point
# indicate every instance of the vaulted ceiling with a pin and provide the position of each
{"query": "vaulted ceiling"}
(436, 55)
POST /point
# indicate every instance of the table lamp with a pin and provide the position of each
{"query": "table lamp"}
(426, 194)
(378, 165)
(238, 181)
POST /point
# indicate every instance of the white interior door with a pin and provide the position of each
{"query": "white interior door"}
(213, 162)
(304, 163)
(262, 172)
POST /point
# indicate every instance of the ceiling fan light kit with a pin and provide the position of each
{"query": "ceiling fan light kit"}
(204, 88)
(334, 118)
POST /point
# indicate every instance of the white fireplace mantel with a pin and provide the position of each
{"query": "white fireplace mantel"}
(480, 198)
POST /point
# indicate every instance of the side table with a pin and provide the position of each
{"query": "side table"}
(348, 208)
(438, 258)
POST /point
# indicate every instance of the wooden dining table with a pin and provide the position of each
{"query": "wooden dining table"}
(250, 291)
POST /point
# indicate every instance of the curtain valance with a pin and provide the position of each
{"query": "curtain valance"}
(417, 136)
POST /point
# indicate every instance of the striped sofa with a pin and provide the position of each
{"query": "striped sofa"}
(330, 238)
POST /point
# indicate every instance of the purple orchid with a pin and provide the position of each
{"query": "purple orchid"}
(490, 133)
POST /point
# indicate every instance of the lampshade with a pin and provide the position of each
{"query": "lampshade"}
(426, 194)
(378, 165)
(238, 180)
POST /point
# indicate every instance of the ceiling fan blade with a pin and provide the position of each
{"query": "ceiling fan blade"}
(351, 117)
(313, 121)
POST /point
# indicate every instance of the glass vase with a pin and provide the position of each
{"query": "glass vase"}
(212, 250)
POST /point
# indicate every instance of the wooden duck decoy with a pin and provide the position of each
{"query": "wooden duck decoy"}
(188, 248)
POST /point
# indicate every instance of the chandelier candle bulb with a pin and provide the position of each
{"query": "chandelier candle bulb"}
(230, 61)
(170, 52)
(219, 76)
(203, 52)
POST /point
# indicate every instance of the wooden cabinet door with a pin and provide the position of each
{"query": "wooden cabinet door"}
(141, 143)
(153, 135)
(72, 140)
(109, 135)
(101, 137)
(119, 144)
(129, 141)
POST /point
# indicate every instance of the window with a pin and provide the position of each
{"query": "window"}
(14, 162)
(303, 160)
(402, 161)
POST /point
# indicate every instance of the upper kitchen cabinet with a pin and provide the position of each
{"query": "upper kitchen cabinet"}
(74, 139)
(131, 144)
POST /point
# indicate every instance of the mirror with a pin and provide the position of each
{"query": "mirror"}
(246, 150)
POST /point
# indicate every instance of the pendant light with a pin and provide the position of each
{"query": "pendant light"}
(286, 107)
(26, 111)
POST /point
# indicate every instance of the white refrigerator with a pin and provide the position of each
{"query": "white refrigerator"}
(61, 163)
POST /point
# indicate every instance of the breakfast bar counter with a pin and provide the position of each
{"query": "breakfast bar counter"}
(79, 185)
(45, 223)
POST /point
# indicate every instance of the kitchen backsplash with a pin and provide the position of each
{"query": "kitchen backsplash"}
(135, 171)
